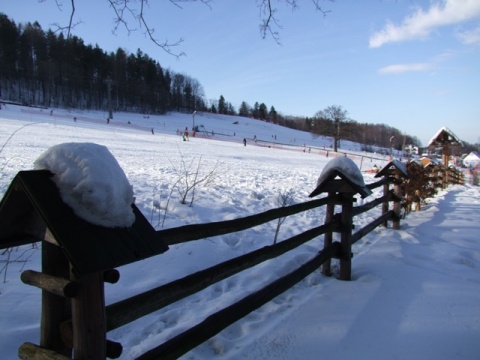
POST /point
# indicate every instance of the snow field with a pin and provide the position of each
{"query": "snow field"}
(415, 292)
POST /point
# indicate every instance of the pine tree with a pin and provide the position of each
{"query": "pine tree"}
(222, 108)
(272, 115)
(244, 109)
(262, 111)
(255, 111)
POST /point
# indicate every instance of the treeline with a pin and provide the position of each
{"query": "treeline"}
(42, 68)
(367, 134)
(378, 135)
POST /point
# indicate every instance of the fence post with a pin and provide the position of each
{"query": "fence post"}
(346, 236)
(88, 318)
(397, 206)
(328, 236)
(55, 308)
(386, 189)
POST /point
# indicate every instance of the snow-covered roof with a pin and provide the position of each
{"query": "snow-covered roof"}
(426, 161)
(32, 210)
(393, 165)
(444, 136)
(346, 169)
(91, 182)
(472, 156)
(416, 162)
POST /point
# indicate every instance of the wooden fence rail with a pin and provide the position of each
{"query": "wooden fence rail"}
(128, 310)
(215, 323)
(81, 297)
(201, 231)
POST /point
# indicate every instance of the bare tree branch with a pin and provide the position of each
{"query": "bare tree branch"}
(178, 2)
(165, 45)
(71, 25)
(270, 20)
(268, 11)
(119, 9)
(127, 11)
(71, 18)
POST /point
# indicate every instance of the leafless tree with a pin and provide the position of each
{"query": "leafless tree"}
(336, 115)
(191, 175)
(130, 14)
(22, 256)
(284, 198)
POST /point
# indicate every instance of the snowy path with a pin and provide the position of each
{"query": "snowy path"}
(424, 302)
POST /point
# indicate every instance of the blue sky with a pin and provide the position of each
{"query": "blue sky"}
(413, 65)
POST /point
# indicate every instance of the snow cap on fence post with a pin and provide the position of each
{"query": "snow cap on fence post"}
(346, 170)
(91, 182)
(394, 167)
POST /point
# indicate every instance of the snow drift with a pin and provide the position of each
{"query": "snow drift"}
(91, 182)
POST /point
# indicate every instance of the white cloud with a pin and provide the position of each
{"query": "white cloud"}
(421, 23)
(403, 68)
(470, 37)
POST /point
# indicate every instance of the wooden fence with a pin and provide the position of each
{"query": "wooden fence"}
(84, 335)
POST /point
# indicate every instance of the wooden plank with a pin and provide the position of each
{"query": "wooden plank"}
(128, 310)
(379, 183)
(371, 226)
(212, 325)
(29, 351)
(200, 231)
(357, 210)
(53, 284)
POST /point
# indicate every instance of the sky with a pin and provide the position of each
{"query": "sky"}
(414, 293)
(412, 65)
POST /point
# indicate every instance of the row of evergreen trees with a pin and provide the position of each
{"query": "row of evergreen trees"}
(42, 68)
(258, 111)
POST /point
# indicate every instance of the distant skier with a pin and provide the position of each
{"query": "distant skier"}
(244, 142)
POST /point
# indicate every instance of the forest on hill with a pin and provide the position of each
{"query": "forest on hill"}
(42, 68)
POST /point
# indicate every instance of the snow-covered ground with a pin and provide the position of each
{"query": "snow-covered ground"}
(415, 292)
